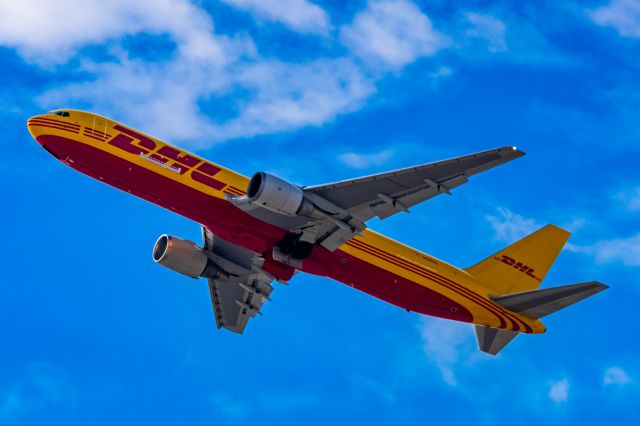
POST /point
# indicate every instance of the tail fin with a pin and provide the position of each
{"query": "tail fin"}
(534, 304)
(523, 265)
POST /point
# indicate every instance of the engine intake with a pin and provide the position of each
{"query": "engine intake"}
(181, 256)
(275, 194)
(280, 196)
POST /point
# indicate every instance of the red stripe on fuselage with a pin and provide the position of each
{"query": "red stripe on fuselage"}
(441, 279)
(101, 136)
(52, 126)
(49, 121)
(438, 279)
(236, 226)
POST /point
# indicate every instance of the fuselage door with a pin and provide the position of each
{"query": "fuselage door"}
(99, 127)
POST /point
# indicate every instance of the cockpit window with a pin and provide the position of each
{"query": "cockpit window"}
(61, 113)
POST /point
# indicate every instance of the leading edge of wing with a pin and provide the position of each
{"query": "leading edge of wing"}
(505, 154)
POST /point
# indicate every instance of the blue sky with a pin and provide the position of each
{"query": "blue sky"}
(95, 333)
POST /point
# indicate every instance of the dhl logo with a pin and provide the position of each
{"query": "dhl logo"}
(177, 161)
(518, 265)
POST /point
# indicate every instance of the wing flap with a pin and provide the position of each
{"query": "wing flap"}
(239, 296)
(237, 300)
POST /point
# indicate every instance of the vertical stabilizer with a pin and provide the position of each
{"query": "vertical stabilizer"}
(523, 265)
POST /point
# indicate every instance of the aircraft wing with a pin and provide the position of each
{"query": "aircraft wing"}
(339, 210)
(239, 297)
(385, 194)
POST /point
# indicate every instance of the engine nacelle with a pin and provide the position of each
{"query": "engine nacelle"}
(180, 255)
(275, 194)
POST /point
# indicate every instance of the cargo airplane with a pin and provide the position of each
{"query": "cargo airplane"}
(264, 229)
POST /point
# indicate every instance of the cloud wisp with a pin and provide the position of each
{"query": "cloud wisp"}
(299, 15)
(622, 15)
(447, 344)
(361, 161)
(510, 227)
(392, 34)
(559, 391)
(615, 376)
(630, 199)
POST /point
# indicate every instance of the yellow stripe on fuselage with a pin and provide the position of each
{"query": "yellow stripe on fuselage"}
(371, 247)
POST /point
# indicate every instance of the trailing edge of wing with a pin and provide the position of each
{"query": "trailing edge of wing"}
(495, 157)
(237, 298)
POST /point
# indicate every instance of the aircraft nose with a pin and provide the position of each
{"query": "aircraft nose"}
(35, 125)
(48, 130)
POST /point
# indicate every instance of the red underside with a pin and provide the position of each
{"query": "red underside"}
(236, 226)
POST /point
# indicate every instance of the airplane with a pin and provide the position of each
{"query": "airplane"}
(263, 229)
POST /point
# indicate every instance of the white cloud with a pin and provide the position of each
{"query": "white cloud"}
(154, 96)
(360, 161)
(615, 376)
(392, 33)
(314, 93)
(299, 15)
(502, 35)
(559, 391)
(50, 31)
(630, 198)
(447, 344)
(623, 15)
(164, 97)
(625, 250)
(510, 227)
(489, 28)
(173, 97)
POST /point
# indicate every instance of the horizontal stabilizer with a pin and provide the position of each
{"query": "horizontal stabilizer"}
(492, 340)
(533, 304)
(539, 303)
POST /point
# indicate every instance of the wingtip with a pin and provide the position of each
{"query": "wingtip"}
(517, 152)
(511, 152)
(600, 286)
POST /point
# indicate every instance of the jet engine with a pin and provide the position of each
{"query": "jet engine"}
(183, 256)
(280, 196)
